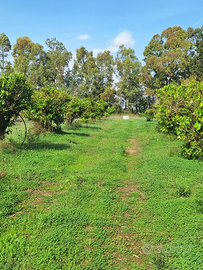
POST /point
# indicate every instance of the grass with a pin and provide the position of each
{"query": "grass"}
(112, 195)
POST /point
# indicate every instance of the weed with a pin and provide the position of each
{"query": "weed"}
(182, 191)
(160, 261)
(123, 151)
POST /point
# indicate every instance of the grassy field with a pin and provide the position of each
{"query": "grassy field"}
(110, 195)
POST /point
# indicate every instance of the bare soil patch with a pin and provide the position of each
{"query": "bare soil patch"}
(134, 148)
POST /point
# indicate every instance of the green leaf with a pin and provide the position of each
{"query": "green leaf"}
(197, 126)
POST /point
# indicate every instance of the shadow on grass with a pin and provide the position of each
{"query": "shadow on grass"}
(78, 134)
(73, 133)
(44, 145)
(91, 127)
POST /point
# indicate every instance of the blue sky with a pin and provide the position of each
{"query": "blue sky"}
(97, 25)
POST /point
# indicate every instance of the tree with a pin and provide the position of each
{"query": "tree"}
(30, 59)
(84, 73)
(49, 107)
(196, 63)
(91, 75)
(180, 111)
(75, 109)
(167, 59)
(15, 95)
(93, 109)
(5, 47)
(128, 73)
(58, 59)
(104, 77)
(109, 95)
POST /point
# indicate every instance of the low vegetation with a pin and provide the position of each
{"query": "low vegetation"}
(111, 195)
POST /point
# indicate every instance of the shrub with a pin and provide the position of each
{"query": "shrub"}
(74, 109)
(180, 111)
(49, 107)
(149, 113)
(15, 95)
(93, 110)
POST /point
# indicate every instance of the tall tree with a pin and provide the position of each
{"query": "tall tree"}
(128, 73)
(84, 73)
(196, 36)
(167, 58)
(5, 47)
(58, 59)
(29, 59)
(105, 65)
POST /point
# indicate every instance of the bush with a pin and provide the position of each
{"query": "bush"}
(49, 107)
(149, 113)
(74, 109)
(180, 111)
(15, 95)
(93, 110)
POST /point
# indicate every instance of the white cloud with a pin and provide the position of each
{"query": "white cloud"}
(96, 51)
(83, 37)
(124, 38)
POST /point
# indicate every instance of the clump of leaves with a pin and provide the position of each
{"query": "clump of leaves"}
(160, 261)
(149, 113)
(182, 191)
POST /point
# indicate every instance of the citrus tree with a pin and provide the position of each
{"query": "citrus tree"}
(15, 96)
(49, 107)
(180, 111)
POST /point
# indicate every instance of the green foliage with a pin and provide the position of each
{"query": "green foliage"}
(183, 191)
(91, 75)
(180, 111)
(110, 111)
(128, 72)
(15, 95)
(75, 109)
(167, 58)
(196, 64)
(57, 61)
(49, 107)
(93, 110)
(149, 113)
(42, 68)
(5, 47)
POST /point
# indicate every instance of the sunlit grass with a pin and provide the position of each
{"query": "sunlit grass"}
(112, 195)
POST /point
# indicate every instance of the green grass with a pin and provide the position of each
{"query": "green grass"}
(112, 195)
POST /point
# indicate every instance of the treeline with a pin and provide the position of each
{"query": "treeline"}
(114, 80)
(174, 57)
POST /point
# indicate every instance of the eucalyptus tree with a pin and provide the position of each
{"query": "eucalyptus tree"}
(167, 58)
(128, 70)
(84, 73)
(29, 59)
(196, 63)
(5, 47)
(57, 62)
(105, 65)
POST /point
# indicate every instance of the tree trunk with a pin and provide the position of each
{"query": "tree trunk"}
(3, 126)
